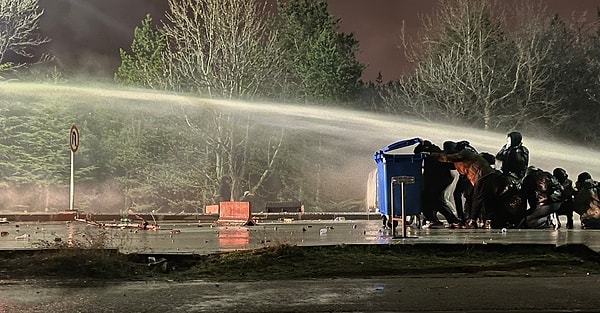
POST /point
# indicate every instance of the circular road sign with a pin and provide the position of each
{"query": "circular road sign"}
(74, 138)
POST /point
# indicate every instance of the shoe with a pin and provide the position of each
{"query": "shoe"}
(554, 221)
(470, 224)
(569, 224)
(454, 225)
(436, 225)
(487, 224)
(433, 225)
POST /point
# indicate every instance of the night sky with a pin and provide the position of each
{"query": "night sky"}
(87, 34)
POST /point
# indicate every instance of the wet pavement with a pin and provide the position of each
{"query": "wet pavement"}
(188, 238)
(452, 293)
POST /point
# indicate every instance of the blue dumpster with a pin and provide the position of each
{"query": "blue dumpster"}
(391, 165)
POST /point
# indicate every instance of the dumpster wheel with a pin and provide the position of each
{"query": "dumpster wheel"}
(410, 220)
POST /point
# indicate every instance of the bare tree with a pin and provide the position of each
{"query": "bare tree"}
(469, 68)
(226, 49)
(459, 72)
(541, 42)
(223, 48)
(19, 29)
(240, 158)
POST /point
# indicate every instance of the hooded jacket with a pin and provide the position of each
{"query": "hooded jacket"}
(515, 158)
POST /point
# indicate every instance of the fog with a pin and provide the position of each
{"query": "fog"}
(350, 137)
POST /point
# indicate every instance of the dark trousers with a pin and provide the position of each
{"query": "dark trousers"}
(540, 216)
(434, 201)
(566, 208)
(485, 197)
(463, 188)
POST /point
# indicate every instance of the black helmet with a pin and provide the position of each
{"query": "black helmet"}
(426, 146)
(560, 174)
(450, 147)
(422, 146)
(465, 145)
(531, 169)
(583, 176)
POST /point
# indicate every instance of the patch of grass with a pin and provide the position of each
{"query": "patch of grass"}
(73, 263)
(290, 262)
(293, 262)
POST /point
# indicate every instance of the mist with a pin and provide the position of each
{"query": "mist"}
(360, 134)
(349, 138)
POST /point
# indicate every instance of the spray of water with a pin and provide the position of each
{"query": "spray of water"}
(352, 136)
(362, 133)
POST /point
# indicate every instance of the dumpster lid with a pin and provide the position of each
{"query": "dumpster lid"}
(401, 144)
(396, 145)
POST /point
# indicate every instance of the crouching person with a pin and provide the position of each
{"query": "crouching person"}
(514, 206)
(566, 207)
(543, 193)
(484, 202)
(586, 202)
(436, 179)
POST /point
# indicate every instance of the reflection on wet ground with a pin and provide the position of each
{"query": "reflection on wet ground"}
(195, 238)
(380, 294)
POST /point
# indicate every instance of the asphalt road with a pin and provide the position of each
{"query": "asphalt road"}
(389, 294)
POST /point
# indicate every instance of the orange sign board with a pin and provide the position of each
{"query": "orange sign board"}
(234, 212)
(212, 209)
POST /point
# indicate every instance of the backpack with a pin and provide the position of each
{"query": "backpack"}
(587, 204)
(586, 194)
(519, 157)
(555, 189)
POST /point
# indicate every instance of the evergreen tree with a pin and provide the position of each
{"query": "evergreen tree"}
(144, 66)
(320, 60)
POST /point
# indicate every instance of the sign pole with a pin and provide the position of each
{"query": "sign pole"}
(72, 185)
(74, 143)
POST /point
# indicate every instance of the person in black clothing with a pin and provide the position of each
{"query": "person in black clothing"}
(543, 193)
(566, 207)
(436, 179)
(512, 208)
(514, 156)
(463, 187)
(587, 201)
(581, 179)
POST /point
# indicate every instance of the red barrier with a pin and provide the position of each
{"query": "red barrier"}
(234, 213)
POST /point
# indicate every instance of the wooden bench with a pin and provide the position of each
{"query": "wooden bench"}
(284, 207)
